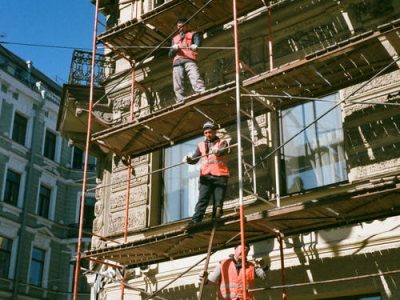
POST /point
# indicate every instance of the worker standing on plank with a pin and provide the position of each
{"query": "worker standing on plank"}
(214, 172)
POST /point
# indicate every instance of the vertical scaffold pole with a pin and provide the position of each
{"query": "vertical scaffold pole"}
(239, 147)
(85, 167)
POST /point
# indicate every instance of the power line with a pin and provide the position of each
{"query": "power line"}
(44, 45)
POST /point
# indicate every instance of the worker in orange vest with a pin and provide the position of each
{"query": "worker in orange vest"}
(228, 275)
(184, 53)
(214, 172)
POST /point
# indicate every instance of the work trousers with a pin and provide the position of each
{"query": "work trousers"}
(178, 74)
(209, 185)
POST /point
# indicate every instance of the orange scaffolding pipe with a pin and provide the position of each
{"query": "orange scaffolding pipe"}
(85, 168)
(239, 138)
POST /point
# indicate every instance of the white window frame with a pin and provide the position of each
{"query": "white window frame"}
(18, 167)
(51, 183)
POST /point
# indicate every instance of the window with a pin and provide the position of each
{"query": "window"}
(37, 266)
(180, 183)
(44, 201)
(12, 187)
(315, 157)
(4, 88)
(15, 95)
(5, 256)
(49, 150)
(19, 129)
(360, 297)
(78, 159)
(89, 212)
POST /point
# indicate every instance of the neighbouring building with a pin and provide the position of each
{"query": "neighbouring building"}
(40, 187)
(319, 95)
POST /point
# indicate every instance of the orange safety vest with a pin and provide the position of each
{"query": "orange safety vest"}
(212, 164)
(185, 51)
(231, 285)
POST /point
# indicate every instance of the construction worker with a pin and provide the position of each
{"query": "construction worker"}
(214, 172)
(228, 275)
(184, 53)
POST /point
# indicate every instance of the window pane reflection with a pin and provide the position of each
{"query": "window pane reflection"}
(180, 183)
(316, 156)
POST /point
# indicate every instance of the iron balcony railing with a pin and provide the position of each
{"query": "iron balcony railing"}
(80, 69)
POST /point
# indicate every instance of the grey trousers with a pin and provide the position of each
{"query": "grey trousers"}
(192, 71)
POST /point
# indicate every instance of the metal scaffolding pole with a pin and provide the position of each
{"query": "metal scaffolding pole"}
(239, 150)
(87, 147)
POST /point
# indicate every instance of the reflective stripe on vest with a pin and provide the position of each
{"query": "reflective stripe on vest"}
(185, 51)
(212, 164)
(231, 285)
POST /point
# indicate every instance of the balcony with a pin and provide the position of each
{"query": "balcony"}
(73, 113)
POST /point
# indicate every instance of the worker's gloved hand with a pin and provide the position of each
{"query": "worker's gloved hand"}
(216, 152)
(193, 47)
(175, 46)
(187, 159)
(261, 263)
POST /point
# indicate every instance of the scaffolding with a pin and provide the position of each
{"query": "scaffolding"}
(318, 73)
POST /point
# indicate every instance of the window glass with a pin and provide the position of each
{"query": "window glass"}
(19, 129)
(37, 266)
(5, 256)
(180, 183)
(89, 213)
(49, 150)
(315, 157)
(12, 187)
(44, 201)
(78, 159)
(4, 88)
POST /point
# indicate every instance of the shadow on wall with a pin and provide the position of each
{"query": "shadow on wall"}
(373, 134)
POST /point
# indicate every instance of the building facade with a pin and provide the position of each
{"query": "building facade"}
(40, 187)
(319, 94)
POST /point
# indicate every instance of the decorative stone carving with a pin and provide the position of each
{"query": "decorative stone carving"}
(137, 195)
(136, 220)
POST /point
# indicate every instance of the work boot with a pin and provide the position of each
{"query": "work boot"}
(192, 224)
(218, 212)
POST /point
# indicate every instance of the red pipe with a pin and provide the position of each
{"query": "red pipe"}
(241, 210)
(132, 91)
(85, 168)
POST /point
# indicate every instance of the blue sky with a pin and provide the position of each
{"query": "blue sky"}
(49, 22)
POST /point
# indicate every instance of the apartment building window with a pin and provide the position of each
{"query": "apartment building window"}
(180, 183)
(78, 158)
(19, 129)
(315, 157)
(11, 191)
(15, 95)
(5, 256)
(37, 266)
(89, 212)
(44, 201)
(4, 88)
(49, 149)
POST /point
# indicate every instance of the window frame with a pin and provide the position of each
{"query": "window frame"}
(18, 188)
(40, 207)
(43, 266)
(46, 151)
(6, 270)
(19, 139)
(340, 166)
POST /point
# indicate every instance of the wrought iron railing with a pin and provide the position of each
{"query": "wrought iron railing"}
(81, 66)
